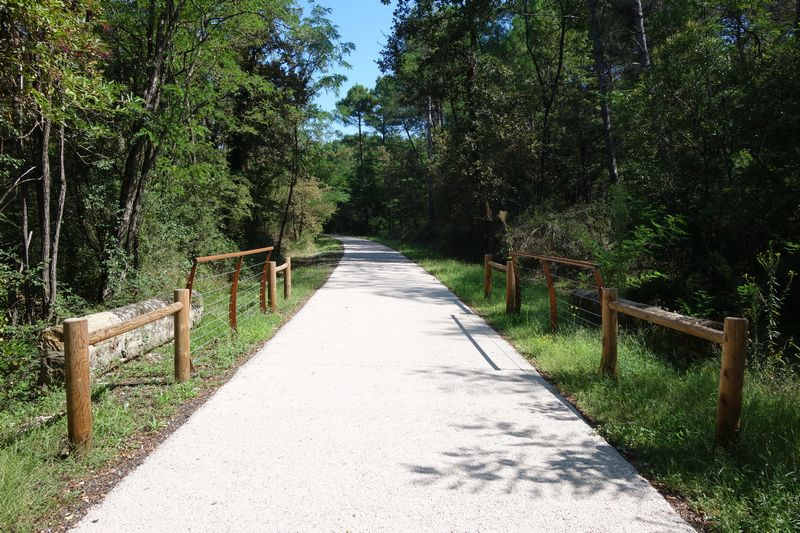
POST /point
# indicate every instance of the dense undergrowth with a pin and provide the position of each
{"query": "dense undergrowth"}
(659, 414)
(38, 477)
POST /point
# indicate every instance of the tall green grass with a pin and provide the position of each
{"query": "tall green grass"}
(38, 478)
(660, 415)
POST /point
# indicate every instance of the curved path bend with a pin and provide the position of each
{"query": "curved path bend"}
(385, 404)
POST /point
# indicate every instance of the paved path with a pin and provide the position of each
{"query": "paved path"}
(384, 405)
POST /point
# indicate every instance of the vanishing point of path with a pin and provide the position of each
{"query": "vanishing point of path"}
(385, 404)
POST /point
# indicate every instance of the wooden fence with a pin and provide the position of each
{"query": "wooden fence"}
(268, 291)
(733, 339)
(77, 340)
(490, 266)
(77, 337)
(733, 336)
(547, 261)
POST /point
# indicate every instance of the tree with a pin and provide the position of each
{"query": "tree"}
(354, 109)
(52, 76)
(543, 24)
(602, 72)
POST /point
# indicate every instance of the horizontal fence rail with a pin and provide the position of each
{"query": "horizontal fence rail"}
(134, 323)
(670, 320)
(232, 255)
(733, 339)
(554, 259)
(77, 340)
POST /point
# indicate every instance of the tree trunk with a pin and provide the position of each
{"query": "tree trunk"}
(157, 46)
(292, 184)
(797, 22)
(642, 36)
(62, 195)
(604, 83)
(473, 156)
(44, 214)
(548, 87)
(25, 264)
(428, 174)
(360, 144)
(26, 254)
(411, 141)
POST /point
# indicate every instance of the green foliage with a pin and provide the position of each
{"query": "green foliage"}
(178, 124)
(632, 261)
(357, 105)
(19, 363)
(762, 300)
(18, 352)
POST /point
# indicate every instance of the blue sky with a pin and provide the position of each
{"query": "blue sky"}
(365, 23)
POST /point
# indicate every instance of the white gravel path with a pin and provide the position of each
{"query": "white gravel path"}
(384, 405)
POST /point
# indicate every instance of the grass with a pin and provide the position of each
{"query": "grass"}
(39, 479)
(658, 414)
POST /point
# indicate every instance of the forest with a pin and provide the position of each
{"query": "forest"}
(137, 135)
(658, 138)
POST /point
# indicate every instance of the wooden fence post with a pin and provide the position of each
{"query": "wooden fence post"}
(551, 289)
(511, 290)
(232, 313)
(262, 293)
(517, 285)
(192, 274)
(731, 379)
(287, 279)
(598, 280)
(608, 365)
(181, 343)
(271, 289)
(487, 276)
(79, 397)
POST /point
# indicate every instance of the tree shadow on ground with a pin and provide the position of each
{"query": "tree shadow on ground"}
(546, 450)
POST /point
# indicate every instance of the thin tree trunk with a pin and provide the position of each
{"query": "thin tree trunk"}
(428, 174)
(44, 214)
(642, 36)
(360, 144)
(548, 87)
(62, 195)
(27, 235)
(411, 140)
(797, 22)
(25, 265)
(604, 83)
(159, 36)
(292, 184)
(473, 157)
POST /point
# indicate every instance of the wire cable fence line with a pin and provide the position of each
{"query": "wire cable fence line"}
(560, 275)
(233, 295)
(572, 307)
